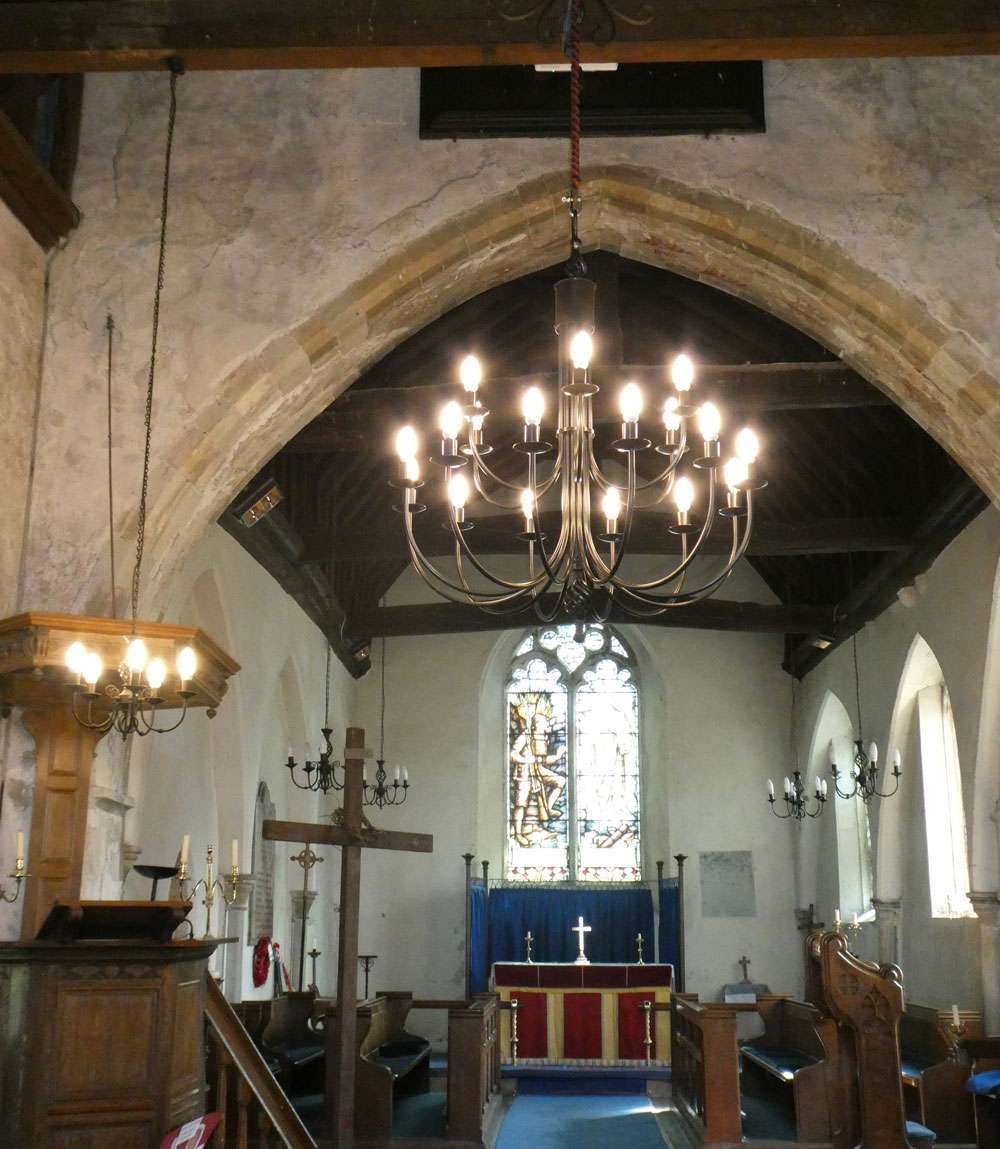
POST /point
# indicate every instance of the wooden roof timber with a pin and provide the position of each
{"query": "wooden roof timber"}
(135, 35)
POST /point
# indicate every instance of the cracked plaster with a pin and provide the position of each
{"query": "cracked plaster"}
(294, 193)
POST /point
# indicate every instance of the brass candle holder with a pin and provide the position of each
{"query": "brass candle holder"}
(313, 955)
(209, 883)
(638, 942)
(19, 874)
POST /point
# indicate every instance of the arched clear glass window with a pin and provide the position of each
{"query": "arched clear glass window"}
(572, 757)
(944, 811)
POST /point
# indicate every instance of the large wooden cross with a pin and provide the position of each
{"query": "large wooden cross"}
(354, 835)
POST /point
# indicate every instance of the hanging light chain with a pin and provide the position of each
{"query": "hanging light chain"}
(175, 70)
(109, 326)
(574, 14)
(381, 729)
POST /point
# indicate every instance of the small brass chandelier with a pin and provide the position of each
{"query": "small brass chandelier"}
(577, 572)
(321, 775)
(132, 706)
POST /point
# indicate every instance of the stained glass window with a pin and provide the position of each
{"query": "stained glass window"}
(572, 757)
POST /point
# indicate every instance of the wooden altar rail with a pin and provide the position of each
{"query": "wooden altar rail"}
(240, 1086)
(473, 1066)
(704, 1068)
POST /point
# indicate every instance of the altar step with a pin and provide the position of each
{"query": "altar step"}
(584, 1077)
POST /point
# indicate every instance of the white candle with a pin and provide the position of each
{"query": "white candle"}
(313, 945)
(836, 914)
(236, 853)
(185, 843)
(770, 788)
(955, 1020)
(396, 775)
(854, 919)
(20, 844)
(406, 775)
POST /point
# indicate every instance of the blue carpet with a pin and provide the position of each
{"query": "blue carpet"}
(588, 1122)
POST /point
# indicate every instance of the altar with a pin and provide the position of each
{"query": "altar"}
(584, 1012)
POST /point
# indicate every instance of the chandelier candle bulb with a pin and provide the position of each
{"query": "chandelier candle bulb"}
(532, 407)
(682, 373)
(185, 846)
(471, 374)
(788, 787)
(580, 350)
(873, 753)
(92, 670)
(770, 790)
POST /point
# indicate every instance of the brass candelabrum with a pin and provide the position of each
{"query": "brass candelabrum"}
(956, 1029)
(209, 883)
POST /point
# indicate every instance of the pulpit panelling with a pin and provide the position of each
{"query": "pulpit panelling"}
(587, 1012)
(101, 1043)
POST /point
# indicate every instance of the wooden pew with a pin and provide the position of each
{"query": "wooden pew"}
(704, 1068)
(866, 1001)
(474, 1069)
(933, 1079)
(390, 1062)
(798, 1049)
(290, 1040)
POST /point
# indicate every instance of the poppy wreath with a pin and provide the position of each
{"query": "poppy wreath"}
(261, 960)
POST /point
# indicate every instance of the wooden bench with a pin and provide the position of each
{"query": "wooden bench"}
(391, 1062)
(797, 1050)
(290, 1043)
(933, 1080)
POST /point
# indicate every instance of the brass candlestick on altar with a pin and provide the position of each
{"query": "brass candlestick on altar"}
(19, 873)
(854, 929)
(638, 942)
(527, 941)
(209, 883)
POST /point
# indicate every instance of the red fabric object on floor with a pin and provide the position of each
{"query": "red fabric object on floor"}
(632, 1027)
(582, 1025)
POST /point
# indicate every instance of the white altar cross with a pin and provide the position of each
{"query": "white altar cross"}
(580, 929)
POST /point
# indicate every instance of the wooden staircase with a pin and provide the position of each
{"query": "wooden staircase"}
(256, 1112)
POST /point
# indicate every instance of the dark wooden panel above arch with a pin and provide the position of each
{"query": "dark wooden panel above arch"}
(858, 495)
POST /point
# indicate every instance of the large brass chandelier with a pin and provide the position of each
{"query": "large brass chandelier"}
(577, 571)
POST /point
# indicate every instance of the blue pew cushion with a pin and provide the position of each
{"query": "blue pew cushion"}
(918, 1134)
(783, 1063)
(987, 1082)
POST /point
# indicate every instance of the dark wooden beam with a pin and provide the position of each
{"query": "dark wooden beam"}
(30, 192)
(749, 388)
(711, 614)
(132, 35)
(497, 535)
(276, 546)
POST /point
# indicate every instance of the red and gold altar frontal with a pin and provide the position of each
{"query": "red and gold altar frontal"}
(585, 1013)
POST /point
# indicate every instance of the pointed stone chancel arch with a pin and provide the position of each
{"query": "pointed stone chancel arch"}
(936, 373)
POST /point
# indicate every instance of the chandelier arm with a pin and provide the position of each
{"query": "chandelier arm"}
(104, 724)
(152, 728)
(481, 468)
(736, 553)
(462, 547)
(606, 573)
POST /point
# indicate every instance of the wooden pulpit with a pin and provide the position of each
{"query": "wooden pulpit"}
(102, 1028)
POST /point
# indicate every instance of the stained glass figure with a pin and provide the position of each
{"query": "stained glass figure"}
(572, 758)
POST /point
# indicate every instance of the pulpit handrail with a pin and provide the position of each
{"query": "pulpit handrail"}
(228, 1030)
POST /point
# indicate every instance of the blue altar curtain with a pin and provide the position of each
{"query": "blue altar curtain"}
(670, 942)
(478, 969)
(615, 917)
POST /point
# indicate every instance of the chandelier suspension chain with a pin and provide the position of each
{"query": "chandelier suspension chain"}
(574, 14)
(854, 644)
(326, 712)
(109, 326)
(175, 70)
(381, 727)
